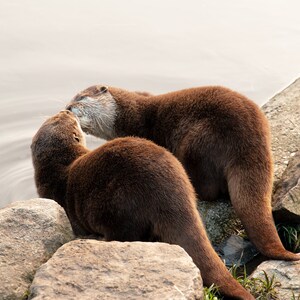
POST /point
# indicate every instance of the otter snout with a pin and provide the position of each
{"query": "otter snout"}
(69, 107)
(65, 111)
(74, 110)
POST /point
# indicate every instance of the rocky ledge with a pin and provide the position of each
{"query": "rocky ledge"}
(39, 258)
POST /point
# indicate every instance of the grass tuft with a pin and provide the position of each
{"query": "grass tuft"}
(260, 288)
(211, 293)
(295, 297)
(290, 236)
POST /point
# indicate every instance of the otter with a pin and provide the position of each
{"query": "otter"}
(129, 189)
(221, 137)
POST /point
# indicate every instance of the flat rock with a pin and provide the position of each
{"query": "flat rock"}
(286, 273)
(90, 269)
(30, 232)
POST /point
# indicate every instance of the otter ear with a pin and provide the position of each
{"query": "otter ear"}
(103, 89)
(76, 138)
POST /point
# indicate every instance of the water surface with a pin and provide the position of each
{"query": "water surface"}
(49, 50)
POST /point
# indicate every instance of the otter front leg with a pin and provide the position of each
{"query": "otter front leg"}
(78, 229)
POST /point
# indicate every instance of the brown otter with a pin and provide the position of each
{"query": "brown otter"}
(129, 189)
(221, 137)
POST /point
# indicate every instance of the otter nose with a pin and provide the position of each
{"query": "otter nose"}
(69, 107)
(74, 110)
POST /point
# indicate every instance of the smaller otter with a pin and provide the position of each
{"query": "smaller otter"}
(126, 190)
(221, 138)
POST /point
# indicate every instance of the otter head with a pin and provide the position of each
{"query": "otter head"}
(95, 108)
(57, 139)
(56, 145)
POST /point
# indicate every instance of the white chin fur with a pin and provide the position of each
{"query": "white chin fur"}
(98, 116)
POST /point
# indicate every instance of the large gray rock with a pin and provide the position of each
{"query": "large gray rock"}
(30, 232)
(90, 269)
(286, 273)
(286, 198)
(283, 112)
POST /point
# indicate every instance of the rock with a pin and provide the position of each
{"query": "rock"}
(286, 273)
(90, 269)
(30, 232)
(237, 251)
(283, 112)
(286, 198)
(219, 219)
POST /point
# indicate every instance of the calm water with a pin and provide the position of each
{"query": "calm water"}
(49, 50)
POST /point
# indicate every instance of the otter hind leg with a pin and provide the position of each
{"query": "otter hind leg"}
(250, 194)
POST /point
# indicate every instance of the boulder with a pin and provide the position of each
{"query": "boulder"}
(90, 269)
(286, 273)
(30, 232)
(286, 198)
(283, 112)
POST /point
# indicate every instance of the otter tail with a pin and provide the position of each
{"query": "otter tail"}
(190, 234)
(250, 194)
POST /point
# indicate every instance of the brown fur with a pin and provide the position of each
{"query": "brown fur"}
(222, 139)
(127, 190)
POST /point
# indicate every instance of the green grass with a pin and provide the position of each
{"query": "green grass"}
(211, 293)
(290, 236)
(261, 289)
(25, 295)
(295, 297)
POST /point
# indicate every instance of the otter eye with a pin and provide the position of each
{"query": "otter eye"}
(103, 89)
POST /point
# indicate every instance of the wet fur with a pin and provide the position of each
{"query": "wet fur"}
(127, 190)
(222, 139)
